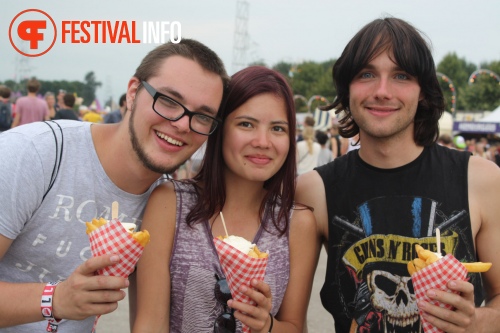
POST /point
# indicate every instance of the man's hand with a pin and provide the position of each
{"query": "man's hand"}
(85, 294)
(462, 319)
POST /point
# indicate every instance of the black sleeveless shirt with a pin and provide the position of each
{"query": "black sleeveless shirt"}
(376, 217)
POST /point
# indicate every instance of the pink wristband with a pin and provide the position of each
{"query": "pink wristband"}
(46, 306)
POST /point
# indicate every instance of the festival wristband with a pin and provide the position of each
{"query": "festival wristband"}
(46, 306)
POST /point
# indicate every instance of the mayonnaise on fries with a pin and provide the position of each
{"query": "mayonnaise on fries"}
(142, 237)
(426, 257)
(244, 246)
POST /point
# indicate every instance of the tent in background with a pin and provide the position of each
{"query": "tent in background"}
(446, 123)
(322, 120)
(487, 125)
(494, 116)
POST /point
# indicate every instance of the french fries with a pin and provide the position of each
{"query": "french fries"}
(477, 267)
(426, 257)
(91, 226)
(142, 237)
(255, 253)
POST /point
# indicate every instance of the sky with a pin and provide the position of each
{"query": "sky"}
(279, 30)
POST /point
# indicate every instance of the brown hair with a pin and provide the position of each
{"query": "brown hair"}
(187, 48)
(69, 100)
(309, 121)
(33, 85)
(5, 91)
(245, 84)
(411, 53)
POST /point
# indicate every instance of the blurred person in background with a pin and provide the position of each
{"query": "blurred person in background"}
(92, 115)
(446, 140)
(5, 108)
(459, 143)
(335, 139)
(66, 110)
(308, 122)
(479, 149)
(116, 115)
(307, 151)
(325, 154)
(30, 108)
(50, 98)
(60, 95)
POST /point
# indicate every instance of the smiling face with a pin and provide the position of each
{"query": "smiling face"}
(256, 138)
(383, 99)
(163, 145)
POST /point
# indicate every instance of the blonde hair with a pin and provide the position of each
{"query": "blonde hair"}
(308, 135)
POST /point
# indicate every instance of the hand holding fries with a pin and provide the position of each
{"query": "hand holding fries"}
(115, 237)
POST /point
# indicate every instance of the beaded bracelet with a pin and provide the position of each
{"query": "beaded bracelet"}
(46, 306)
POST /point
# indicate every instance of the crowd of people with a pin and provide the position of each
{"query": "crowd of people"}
(33, 107)
(480, 146)
(369, 191)
(316, 147)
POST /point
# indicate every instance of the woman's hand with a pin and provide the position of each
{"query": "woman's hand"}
(254, 316)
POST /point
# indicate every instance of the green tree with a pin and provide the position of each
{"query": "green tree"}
(284, 68)
(484, 93)
(73, 87)
(309, 79)
(458, 70)
(89, 88)
(259, 62)
(13, 85)
(493, 66)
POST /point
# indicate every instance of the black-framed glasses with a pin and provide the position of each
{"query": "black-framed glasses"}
(225, 323)
(170, 109)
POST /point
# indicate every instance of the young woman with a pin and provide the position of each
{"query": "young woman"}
(308, 151)
(248, 174)
(50, 98)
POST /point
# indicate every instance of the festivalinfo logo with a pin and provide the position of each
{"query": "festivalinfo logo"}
(34, 32)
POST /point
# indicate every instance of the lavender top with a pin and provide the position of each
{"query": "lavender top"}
(194, 263)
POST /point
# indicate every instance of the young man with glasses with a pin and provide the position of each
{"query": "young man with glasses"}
(42, 236)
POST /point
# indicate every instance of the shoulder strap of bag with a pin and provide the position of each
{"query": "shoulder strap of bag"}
(57, 162)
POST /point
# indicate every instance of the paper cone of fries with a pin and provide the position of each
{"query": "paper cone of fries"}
(436, 276)
(114, 238)
(239, 269)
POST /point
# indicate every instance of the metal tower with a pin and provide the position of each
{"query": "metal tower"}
(22, 65)
(241, 42)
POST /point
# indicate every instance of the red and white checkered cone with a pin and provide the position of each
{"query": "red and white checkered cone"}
(239, 269)
(113, 238)
(436, 276)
